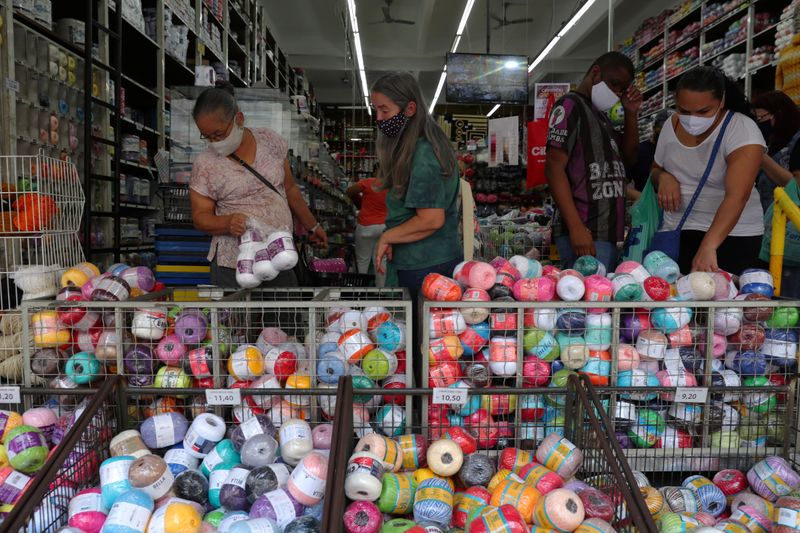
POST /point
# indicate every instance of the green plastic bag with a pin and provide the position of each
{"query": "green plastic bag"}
(645, 221)
(791, 247)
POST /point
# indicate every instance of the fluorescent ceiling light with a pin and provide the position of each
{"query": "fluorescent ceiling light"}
(493, 111)
(438, 90)
(572, 21)
(351, 8)
(461, 25)
(511, 65)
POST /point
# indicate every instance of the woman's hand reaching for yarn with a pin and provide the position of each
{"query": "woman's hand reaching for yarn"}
(237, 224)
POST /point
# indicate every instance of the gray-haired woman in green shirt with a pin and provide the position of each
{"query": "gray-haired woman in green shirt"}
(419, 170)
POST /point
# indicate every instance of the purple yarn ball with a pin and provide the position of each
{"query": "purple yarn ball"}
(237, 434)
(263, 507)
(624, 440)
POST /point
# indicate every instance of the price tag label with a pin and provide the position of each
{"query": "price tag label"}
(691, 394)
(450, 395)
(223, 397)
(10, 394)
(12, 85)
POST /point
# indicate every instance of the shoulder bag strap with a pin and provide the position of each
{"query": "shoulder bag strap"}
(255, 173)
(707, 172)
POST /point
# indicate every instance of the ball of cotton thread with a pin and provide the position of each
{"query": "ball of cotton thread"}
(433, 501)
(560, 509)
(307, 482)
(680, 499)
(362, 517)
(712, 499)
(166, 429)
(151, 475)
(776, 468)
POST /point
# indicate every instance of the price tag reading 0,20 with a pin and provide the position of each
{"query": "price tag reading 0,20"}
(450, 395)
(223, 397)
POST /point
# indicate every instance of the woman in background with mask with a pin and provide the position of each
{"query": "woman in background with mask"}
(225, 190)
(778, 119)
(723, 230)
(419, 172)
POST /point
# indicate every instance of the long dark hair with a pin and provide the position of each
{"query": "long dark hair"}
(787, 117)
(396, 153)
(703, 79)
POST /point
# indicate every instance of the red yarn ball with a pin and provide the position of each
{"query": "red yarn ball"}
(730, 481)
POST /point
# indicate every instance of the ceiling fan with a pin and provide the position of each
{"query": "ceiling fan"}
(387, 16)
(505, 21)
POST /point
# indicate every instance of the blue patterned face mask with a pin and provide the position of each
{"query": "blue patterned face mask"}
(391, 127)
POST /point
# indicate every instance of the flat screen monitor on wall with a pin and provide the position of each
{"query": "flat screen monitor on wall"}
(487, 78)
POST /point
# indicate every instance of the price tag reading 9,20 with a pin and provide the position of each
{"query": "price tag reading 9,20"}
(691, 394)
(223, 397)
(450, 395)
(10, 395)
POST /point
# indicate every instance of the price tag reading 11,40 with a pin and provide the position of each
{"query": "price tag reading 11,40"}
(223, 397)
(691, 394)
(450, 395)
(10, 394)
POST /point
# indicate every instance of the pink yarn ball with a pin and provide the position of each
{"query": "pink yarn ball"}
(598, 289)
(307, 482)
(633, 268)
(719, 345)
(627, 357)
(322, 436)
(535, 290)
(43, 418)
(171, 350)
(86, 511)
(475, 274)
(362, 517)
(273, 336)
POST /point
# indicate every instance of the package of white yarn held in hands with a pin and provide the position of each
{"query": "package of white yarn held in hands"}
(189, 475)
(263, 254)
(452, 484)
(476, 347)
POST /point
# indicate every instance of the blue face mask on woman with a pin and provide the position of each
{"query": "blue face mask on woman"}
(391, 127)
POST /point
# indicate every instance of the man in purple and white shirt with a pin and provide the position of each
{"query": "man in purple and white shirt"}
(586, 158)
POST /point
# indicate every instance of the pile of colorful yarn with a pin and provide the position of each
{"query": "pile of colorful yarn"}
(451, 483)
(764, 499)
(187, 475)
(72, 342)
(26, 442)
(660, 347)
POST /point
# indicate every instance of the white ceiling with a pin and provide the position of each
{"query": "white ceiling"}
(312, 34)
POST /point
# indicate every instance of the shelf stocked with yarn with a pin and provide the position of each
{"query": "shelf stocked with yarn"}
(706, 33)
(517, 323)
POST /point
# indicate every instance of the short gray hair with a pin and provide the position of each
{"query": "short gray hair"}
(216, 99)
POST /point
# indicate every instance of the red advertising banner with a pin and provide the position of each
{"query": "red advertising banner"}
(537, 142)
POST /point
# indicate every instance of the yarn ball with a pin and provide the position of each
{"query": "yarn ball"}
(681, 499)
(730, 482)
(522, 496)
(397, 493)
(440, 288)
(26, 448)
(561, 510)
(477, 469)
(191, 485)
(445, 457)
(278, 505)
(303, 524)
(362, 517)
(232, 494)
(307, 481)
(772, 478)
(486, 520)
(467, 501)
(712, 499)
(540, 477)
(433, 501)
(560, 455)
(588, 265)
(263, 479)
(163, 430)
(151, 474)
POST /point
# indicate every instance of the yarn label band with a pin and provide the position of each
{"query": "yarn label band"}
(769, 477)
(223, 396)
(90, 502)
(450, 395)
(251, 427)
(129, 515)
(788, 518)
(165, 431)
(494, 521)
(691, 394)
(10, 395)
(308, 483)
(237, 477)
(282, 505)
(13, 486)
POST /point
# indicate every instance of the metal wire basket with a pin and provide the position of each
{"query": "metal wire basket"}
(515, 237)
(177, 206)
(588, 427)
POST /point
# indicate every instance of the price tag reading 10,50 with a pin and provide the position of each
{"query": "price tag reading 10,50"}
(450, 395)
(223, 397)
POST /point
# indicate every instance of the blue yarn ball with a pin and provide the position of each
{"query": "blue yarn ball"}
(749, 363)
(330, 368)
(434, 502)
(571, 322)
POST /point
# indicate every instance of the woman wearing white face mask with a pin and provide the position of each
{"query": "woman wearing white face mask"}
(722, 230)
(243, 173)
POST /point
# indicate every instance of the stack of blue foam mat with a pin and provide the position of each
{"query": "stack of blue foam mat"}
(182, 255)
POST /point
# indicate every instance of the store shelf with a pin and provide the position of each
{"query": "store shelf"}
(139, 126)
(761, 67)
(127, 80)
(133, 30)
(683, 17)
(727, 16)
(765, 31)
(134, 164)
(46, 32)
(141, 207)
(137, 248)
(681, 44)
(171, 4)
(177, 67)
(724, 51)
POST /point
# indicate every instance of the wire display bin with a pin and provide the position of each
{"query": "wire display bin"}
(691, 388)
(77, 466)
(38, 502)
(515, 237)
(493, 468)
